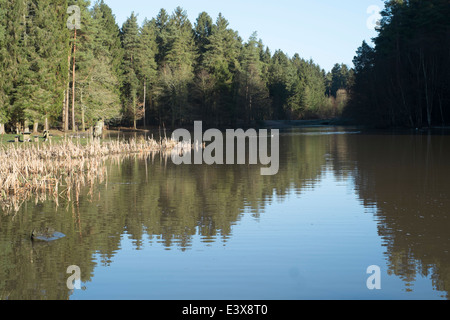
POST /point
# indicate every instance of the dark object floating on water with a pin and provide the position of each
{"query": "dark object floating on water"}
(46, 235)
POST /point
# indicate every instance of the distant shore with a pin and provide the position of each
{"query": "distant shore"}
(286, 124)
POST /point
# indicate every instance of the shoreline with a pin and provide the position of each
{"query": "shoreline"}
(59, 136)
(289, 124)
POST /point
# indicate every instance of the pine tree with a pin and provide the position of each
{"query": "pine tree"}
(130, 43)
(147, 67)
(51, 38)
(162, 26)
(177, 69)
(219, 63)
(409, 65)
(281, 82)
(99, 82)
(81, 62)
(253, 95)
(35, 49)
(4, 97)
(20, 50)
(12, 60)
(202, 32)
(109, 38)
(339, 78)
(296, 101)
(181, 41)
(315, 88)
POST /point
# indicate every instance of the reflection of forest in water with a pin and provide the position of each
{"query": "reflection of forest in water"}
(155, 201)
(408, 179)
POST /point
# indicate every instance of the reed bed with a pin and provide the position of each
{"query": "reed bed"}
(56, 170)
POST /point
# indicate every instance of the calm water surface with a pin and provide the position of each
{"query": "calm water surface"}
(342, 201)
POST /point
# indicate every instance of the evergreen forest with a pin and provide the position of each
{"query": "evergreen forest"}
(169, 71)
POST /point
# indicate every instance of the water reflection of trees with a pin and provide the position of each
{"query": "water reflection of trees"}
(174, 203)
(148, 199)
(406, 176)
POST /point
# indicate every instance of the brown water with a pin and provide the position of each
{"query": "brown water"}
(342, 201)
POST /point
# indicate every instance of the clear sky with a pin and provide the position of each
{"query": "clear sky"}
(328, 31)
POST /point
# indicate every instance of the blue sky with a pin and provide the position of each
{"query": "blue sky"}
(328, 31)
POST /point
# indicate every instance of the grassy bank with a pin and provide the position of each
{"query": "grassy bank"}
(56, 137)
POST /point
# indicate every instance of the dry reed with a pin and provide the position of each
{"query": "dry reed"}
(61, 169)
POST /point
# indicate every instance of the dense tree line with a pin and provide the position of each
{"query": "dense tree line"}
(405, 79)
(165, 71)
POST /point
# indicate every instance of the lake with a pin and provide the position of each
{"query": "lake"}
(343, 200)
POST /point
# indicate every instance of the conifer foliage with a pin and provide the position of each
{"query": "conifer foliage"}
(404, 79)
(164, 71)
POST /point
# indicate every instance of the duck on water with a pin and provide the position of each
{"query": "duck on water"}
(46, 235)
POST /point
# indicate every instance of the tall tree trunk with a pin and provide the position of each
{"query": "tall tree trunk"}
(247, 114)
(67, 97)
(73, 81)
(64, 111)
(145, 96)
(400, 82)
(425, 80)
(134, 112)
(83, 124)
(35, 126)
(2, 128)
(440, 108)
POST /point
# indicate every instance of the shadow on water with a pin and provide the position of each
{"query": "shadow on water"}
(151, 200)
